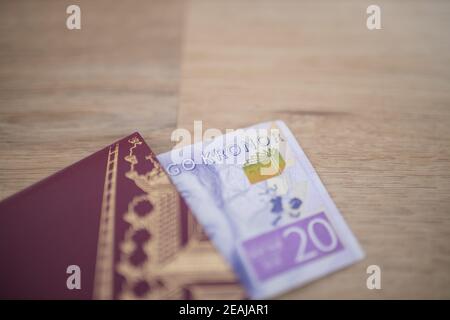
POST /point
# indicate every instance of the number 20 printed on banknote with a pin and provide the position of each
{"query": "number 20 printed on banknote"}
(264, 207)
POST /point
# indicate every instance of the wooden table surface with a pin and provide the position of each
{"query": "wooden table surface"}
(371, 109)
(67, 93)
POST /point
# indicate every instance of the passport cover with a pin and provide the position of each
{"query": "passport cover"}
(116, 215)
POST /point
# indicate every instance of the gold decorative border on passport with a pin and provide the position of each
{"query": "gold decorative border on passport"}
(160, 224)
(104, 274)
(179, 261)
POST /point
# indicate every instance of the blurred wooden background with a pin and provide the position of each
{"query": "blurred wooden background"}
(370, 108)
(67, 93)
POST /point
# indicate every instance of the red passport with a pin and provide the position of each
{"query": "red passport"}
(110, 226)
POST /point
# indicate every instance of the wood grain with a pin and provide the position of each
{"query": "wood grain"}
(370, 108)
(67, 93)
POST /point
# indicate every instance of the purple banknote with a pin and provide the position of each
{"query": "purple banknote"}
(264, 207)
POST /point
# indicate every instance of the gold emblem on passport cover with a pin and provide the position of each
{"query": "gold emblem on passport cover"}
(161, 251)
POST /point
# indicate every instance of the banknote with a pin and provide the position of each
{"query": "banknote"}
(264, 207)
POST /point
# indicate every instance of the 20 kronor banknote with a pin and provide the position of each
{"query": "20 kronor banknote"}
(264, 207)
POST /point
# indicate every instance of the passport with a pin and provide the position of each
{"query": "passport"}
(264, 207)
(117, 217)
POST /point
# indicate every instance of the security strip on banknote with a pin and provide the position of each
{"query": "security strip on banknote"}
(264, 207)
